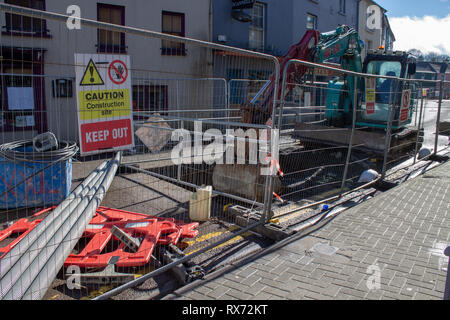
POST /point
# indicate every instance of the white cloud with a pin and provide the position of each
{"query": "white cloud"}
(428, 34)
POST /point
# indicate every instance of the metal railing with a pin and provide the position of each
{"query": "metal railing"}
(314, 156)
(170, 102)
(168, 99)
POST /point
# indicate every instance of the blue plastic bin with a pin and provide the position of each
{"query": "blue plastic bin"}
(47, 188)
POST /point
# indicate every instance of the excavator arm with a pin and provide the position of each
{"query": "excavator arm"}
(260, 112)
(341, 43)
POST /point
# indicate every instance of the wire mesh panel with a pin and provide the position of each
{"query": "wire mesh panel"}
(349, 130)
(127, 153)
(422, 131)
(316, 122)
(443, 138)
(163, 158)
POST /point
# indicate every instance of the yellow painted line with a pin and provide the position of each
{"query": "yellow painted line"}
(141, 272)
(233, 240)
(98, 292)
(204, 237)
(210, 236)
(54, 297)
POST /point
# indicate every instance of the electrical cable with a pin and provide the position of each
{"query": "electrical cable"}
(8, 151)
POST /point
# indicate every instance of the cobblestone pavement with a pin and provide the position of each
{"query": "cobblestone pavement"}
(401, 233)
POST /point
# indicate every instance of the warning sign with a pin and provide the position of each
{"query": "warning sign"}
(91, 76)
(106, 135)
(104, 103)
(406, 102)
(118, 72)
(370, 96)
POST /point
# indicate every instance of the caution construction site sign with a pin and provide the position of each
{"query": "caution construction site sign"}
(105, 118)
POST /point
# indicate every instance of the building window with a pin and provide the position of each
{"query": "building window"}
(149, 98)
(257, 26)
(311, 21)
(22, 98)
(111, 41)
(342, 6)
(62, 88)
(22, 25)
(173, 23)
(19, 100)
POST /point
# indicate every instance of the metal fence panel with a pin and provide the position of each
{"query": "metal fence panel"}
(207, 167)
(328, 155)
(188, 127)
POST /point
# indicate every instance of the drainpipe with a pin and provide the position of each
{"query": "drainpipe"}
(210, 56)
(210, 20)
(358, 3)
(358, 7)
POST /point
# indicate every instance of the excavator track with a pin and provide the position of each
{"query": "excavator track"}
(403, 142)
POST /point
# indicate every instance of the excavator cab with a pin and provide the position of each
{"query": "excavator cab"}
(380, 93)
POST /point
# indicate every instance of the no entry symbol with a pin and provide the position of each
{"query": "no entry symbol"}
(118, 72)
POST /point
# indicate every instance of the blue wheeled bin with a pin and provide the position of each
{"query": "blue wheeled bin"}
(34, 187)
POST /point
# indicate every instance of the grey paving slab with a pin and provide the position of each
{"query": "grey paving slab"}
(389, 247)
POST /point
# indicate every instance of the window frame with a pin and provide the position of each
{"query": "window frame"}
(146, 90)
(170, 51)
(10, 30)
(62, 88)
(262, 29)
(315, 19)
(34, 61)
(105, 48)
(342, 7)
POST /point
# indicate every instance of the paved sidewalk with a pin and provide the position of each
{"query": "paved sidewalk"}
(401, 233)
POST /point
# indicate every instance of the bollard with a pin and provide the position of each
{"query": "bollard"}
(447, 282)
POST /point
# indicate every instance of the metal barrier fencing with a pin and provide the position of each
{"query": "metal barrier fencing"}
(201, 165)
(431, 120)
(166, 99)
(324, 155)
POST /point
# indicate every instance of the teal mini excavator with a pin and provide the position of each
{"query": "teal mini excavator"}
(343, 48)
(374, 98)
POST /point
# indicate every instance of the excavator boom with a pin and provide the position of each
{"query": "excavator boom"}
(316, 47)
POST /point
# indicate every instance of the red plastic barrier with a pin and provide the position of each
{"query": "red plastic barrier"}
(21, 227)
(151, 230)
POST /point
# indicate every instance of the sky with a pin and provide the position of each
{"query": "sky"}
(419, 24)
